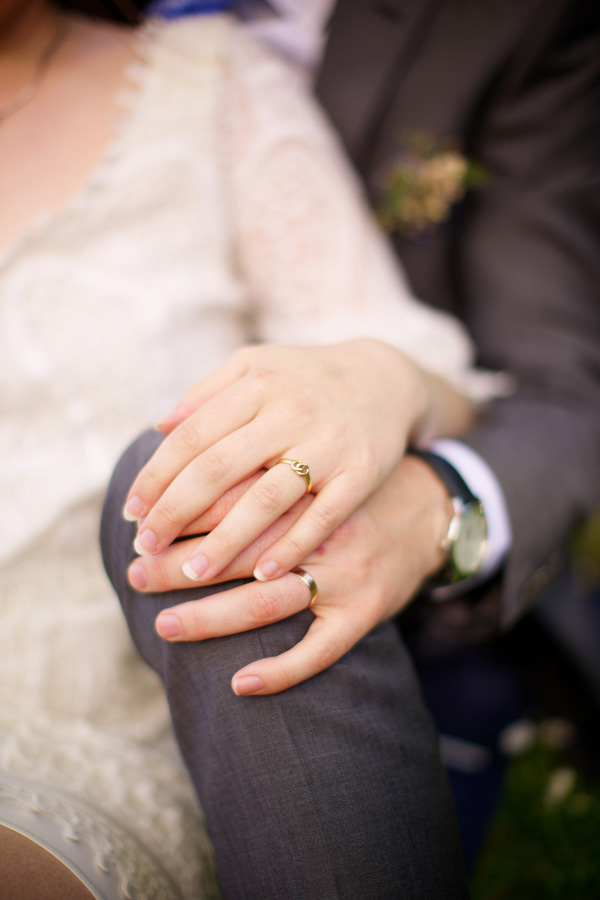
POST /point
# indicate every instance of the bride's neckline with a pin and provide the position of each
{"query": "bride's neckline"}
(127, 101)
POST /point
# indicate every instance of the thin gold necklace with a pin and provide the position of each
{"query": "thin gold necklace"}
(29, 90)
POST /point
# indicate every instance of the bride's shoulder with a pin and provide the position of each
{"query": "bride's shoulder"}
(213, 56)
(193, 38)
(183, 61)
(219, 38)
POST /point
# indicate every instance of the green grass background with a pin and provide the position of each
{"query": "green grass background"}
(542, 845)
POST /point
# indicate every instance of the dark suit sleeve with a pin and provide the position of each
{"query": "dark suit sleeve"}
(528, 262)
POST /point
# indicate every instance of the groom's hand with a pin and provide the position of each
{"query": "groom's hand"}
(366, 572)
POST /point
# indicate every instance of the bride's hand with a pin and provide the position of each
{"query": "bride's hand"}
(347, 411)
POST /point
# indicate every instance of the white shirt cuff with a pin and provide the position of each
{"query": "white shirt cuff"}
(482, 482)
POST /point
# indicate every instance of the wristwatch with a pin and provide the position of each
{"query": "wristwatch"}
(466, 540)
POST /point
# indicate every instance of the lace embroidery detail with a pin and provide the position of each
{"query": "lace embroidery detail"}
(318, 268)
(113, 309)
(128, 808)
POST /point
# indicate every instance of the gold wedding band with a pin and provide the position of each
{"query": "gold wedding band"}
(309, 581)
(300, 468)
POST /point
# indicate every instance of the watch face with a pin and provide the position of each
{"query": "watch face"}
(469, 547)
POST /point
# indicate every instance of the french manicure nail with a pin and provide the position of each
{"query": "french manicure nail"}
(133, 509)
(266, 570)
(247, 684)
(168, 625)
(195, 567)
(137, 577)
(145, 543)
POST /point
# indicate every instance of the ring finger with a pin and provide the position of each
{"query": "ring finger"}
(272, 495)
(203, 480)
(240, 609)
(164, 572)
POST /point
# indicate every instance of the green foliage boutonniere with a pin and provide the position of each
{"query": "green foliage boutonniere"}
(421, 185)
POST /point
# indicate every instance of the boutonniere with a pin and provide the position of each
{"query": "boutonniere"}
(420, 186)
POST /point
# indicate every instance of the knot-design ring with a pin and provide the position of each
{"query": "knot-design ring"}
(300, 468)
(309, 581)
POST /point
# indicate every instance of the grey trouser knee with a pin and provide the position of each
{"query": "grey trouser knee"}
(332, 790)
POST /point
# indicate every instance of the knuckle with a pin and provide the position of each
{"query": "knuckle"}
(217, 511)
(167, 513)
(150, 477)
(364, 575)
(327, 653)
(223, 545)
(193, 623)
(212, 466)
(364, 467)
(375, 606)
(266, 604)
(324, 516)
(345, 532)
(158, 571)
(363, 570)
(185, 437)
(260, 383)
(286, 677)
(299, 412)
(305, 405)
(293, 548)
(268, 497)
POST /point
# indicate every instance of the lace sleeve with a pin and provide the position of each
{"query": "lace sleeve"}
(316, 266)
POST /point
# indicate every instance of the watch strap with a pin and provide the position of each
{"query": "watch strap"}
(454, 483)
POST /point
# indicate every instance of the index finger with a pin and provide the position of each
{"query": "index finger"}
(224, 414)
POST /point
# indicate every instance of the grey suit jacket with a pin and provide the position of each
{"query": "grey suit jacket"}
(518, 83)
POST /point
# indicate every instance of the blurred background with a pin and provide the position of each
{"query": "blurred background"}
(522, 748)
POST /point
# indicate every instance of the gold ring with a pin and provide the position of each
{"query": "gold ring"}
(300, 468)
(309, 581)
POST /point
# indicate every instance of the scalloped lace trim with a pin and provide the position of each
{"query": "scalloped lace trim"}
(130, 809)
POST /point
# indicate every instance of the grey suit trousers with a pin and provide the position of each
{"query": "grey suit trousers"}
(332, 790)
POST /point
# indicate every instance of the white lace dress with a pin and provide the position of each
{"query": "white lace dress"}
(223, 212)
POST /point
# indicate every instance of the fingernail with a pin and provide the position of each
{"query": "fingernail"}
(266, 570)
(195, 567)
(168, 625)
(133, 509)
(146, 542)
(137, 577)
(247, 684)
